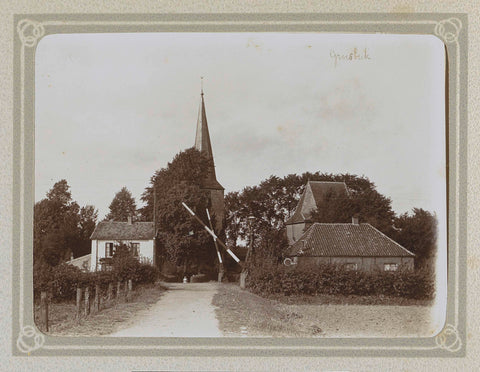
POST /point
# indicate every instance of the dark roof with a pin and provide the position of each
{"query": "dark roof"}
(344, 239)
(318, 189)
(113, 230)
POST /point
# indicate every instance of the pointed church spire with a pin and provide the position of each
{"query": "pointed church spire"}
(202, 138)
(203, 144)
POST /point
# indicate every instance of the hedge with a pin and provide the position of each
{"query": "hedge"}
(331, 279)
(62, 280)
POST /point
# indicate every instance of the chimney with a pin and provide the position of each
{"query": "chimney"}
(129, 220)
(354, 220)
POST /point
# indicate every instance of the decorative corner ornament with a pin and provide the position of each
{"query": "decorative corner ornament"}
(448, 29)
(449, 339)
(30, 32)
(30, 339)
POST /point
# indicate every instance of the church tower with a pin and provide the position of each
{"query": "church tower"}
(203, 144)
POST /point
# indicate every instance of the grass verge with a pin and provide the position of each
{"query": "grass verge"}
(108, 320)
(242, 313)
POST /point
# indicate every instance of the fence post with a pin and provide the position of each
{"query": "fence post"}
(130, 288)
(44, 310)
(79, 299)
(126, 290)
(110, 291)
(96, 304)
(243, 278)
(87, 301)
(118, 290)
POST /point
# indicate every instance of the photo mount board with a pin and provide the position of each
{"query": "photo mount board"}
(30, 28)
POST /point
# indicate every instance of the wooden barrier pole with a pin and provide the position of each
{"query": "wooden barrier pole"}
(118, 290)
(96, 304)
(44, 310)
(109, 291)
(126, 290)
(130, 285)
(87, 301)
(79, 299)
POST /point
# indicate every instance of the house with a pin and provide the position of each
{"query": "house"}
(312, 198)
(357, 246)
(138, 235)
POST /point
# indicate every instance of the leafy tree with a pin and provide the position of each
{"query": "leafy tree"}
(56, 230)
(417, 232)
(87, 220)
(183, 240)
(122, 206)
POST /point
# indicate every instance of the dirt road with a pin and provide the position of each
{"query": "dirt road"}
(185, 310)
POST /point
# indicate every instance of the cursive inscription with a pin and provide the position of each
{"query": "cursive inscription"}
(352, 55)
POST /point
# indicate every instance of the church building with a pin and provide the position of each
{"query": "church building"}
(204, 145)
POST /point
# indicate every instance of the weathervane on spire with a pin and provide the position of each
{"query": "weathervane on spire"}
(201, 84)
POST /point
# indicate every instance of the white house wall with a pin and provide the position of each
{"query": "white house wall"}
(98, 251)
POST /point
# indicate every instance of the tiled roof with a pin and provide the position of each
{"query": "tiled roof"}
(318, 190)
(343, 239)
(113, 230)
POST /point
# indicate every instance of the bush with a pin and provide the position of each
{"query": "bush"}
(330, 279)
(65, 281)
(145, 274)
(62, 280)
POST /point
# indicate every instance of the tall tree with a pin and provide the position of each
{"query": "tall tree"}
(183, 240)
(87, 220)
(122, 206)
(56, 225)
(417, 231)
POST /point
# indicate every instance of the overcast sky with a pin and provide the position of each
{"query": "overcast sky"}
(113, 108)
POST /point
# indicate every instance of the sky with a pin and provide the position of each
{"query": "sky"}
(110, 109)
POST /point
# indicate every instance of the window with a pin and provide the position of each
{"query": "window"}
(135, 248)
(109, 249)
(390, 267)
(351, 266)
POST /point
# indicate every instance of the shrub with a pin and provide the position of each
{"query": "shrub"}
(145, 274)
(62, 280)
(42, 278)
(65, 281)
(331, 279)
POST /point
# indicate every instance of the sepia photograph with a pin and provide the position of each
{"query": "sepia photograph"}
(267, 184)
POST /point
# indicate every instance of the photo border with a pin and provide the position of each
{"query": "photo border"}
(451, 28)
